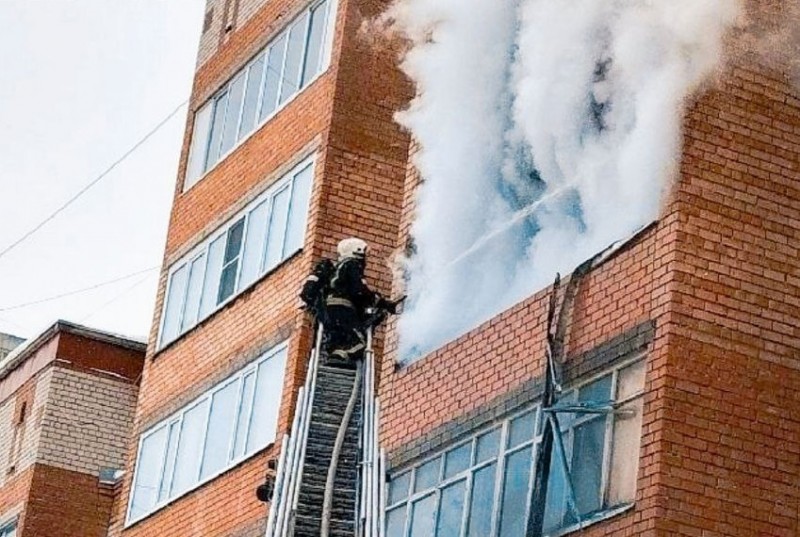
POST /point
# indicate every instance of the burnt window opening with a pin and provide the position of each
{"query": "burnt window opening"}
(482, 486)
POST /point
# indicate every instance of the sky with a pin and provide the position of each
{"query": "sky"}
(81, 82)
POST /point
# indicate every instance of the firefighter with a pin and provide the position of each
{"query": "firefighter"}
(351, 307)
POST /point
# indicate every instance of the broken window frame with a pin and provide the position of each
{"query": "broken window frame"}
(501, 459)
(612, 414)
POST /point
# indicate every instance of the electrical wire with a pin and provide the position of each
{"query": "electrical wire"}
(79, 291)
(117, 297)
(93, 182)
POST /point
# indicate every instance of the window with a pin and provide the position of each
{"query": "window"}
(9, 530)
(289, 63)
(482, 487)
(226, 425)
(269, 230)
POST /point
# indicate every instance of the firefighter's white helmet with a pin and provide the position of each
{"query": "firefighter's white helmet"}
(352, 247)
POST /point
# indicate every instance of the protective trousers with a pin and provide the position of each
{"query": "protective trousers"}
(345, 337)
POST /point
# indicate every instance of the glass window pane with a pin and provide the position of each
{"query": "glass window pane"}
(398, 488)
(277, 229)
(175, 298)
(254, 244)
(220, 429)
(255, 74)
(269, 385)
(315, 34)
(234, 243)
(216, 129)
(148, 473)
(422, 516)
(555, 506)
(227, 285)
(396, 522)
(457, 460)
(521, 429)
(243, 420)
(294, 58)
(235, 94)
(228, 282)
(597, 391)
(190, 445)
(194, 293)
(213, 272)
(427, 475)
(298, 212)
(515, 494)
(272, 80)
(587, 464)
(482, 502)
(451, 510)
(169, 465)
(197, 152)
(487, 446)
(631, 380)
(625, 453)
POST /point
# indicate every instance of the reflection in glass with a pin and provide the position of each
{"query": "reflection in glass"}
(480, 507)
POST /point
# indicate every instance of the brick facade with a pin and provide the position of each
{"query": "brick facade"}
(63, 420)
(710, 293)
(717, 276)
(362, 158)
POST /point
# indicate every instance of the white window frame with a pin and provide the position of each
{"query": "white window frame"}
(9, 528)
(177, 418)
(504, 452)
(286, 182)
(326, 46)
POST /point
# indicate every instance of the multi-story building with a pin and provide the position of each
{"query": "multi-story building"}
(67, 399)
(689, 329)
(8, 343)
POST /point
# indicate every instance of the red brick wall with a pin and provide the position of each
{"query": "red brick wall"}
(13, 494)
(720, 276)
(91, 355)
(358, 184)
(731, 446)
(66, 504)
(503, 353)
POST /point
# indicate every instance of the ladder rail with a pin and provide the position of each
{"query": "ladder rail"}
(289, 472)
(311, 383)
(271, 519)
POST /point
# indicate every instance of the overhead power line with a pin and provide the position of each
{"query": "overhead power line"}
(116, 298)
(79, 291)
(93, 182)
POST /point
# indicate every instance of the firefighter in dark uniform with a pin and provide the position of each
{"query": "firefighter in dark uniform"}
(349, 302)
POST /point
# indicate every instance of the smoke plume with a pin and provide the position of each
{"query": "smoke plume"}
(547, 130)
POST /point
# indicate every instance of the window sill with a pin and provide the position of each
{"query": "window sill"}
(252, 133)
(198, 486)
(226, 303)
(593, 519)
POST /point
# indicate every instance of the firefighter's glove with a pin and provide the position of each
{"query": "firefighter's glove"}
(390, 306)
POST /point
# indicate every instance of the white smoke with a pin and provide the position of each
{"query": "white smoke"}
(547, 130)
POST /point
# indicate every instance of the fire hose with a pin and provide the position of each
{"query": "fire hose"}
(327, 502)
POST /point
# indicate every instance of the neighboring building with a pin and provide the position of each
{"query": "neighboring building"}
(691, 327)
(8, 343)
(67, 399)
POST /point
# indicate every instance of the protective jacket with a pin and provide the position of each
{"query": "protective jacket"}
(348, 287)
